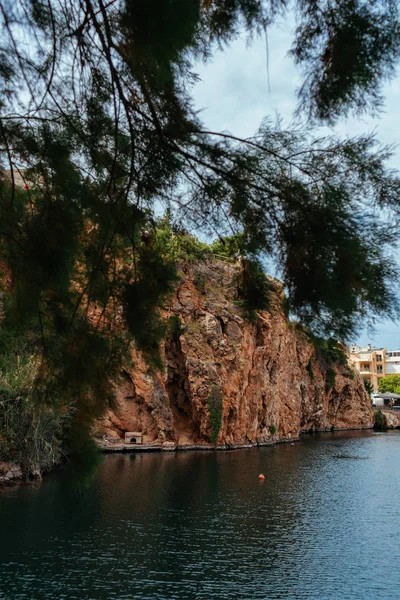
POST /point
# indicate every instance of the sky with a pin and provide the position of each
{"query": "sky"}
(234, 95)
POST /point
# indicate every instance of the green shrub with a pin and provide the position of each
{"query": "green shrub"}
(330, 378)
(310, 370)
(368, 386)
(330, 351)
(215, 411)
(229, 246)
(380, 421)
(31, 431)
(176, 244)
(174, 327)
(200, 281)
(272, 429)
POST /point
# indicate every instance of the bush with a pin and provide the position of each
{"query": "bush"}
(176, 244)
(380, 421)
(330, 351)
(230, 246)
(200, 281)
(30, 432)
(330, 378)
(272, 429)
(174, 327)
(310, 370)
(215, 411)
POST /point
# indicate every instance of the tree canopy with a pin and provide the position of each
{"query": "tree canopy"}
(390, 383)
(97, 120)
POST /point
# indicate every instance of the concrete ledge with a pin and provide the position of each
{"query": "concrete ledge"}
(172, 447)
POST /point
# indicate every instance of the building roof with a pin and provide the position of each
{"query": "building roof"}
(387, 395)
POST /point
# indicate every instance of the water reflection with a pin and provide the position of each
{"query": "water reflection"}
(202, 526)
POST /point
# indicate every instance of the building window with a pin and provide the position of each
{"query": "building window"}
(365, 367)
(379, 358)
(379, 368)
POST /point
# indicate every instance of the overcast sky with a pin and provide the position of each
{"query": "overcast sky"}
(233, 95)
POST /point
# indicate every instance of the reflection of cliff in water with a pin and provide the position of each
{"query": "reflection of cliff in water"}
(189, 492)
(201, 526)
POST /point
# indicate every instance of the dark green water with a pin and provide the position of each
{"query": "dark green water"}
(201, 526)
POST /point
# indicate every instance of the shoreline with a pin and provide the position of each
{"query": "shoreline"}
(16, 477)
(172, 447)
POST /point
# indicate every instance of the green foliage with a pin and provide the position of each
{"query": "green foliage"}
(154, 45)
(310, 370)
(83, 464)
(330, 351)
(215, 412)
(272, 429)
(176, 244)
(200, 281)
(368, 386)
(253, 288)
(390, 383)
(142, 299)
(101, 146)
(347, 49)
(31, 433)
(333, 272)
(380, 421)
(174, 327)
(231, 246)
(330, 378)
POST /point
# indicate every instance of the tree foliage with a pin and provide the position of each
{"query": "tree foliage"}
(390, 383)
(31, 433)
(98, 129)
(347, 49)
(368, 386)
(253, 288)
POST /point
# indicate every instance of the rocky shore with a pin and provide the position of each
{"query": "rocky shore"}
(227, 382)
(9, 472)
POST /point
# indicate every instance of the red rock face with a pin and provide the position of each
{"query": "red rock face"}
(256, 373)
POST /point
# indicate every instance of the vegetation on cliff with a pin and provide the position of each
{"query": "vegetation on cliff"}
(98, 125)
(380, 421)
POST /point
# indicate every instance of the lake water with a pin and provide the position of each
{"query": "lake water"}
(325, 524)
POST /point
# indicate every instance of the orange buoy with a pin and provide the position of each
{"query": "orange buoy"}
(261, 476)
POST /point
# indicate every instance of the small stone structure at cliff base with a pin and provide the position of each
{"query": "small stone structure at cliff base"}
(133, 437)
(271, 382)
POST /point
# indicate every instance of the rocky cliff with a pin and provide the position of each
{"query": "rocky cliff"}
(229, 381)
